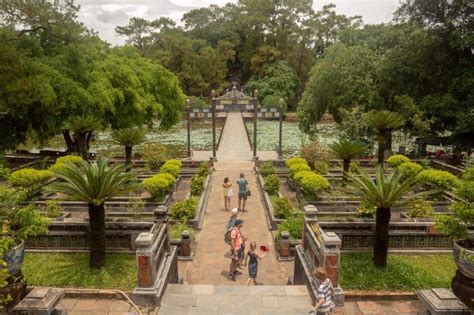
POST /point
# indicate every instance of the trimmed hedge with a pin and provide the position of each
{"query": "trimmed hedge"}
(197, 185)
(159, 184)
(204, 169)
(295, 160)
(63, 160)
(397, 159)
(409, 168)
(29, 178)
(299, 167)
(321, 167)
(272, 184)
(170, 168)
(267, 169)
(300, 175)
(282, 208)
(437, 179)
(183, 210)
(314, 183)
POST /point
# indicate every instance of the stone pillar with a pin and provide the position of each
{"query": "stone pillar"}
(331, 262)
(40, 301)
(285, 244)
(145, 261)
(310, 211)
(185, 243)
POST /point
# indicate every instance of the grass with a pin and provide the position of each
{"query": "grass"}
(403, 273)
(72, 270)
(177, 229)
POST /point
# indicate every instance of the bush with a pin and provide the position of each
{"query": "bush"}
(397, 159)
(272, 184)
(174, 162)
(300, 175)
(420, 209)
(436, 179)
(354, 167)
(183, 210)
(4, 172)
(171, 169)
(204, 169)
(409, 168)
(466, 190)
(267, 169)
(10, 197)
(158, 185)
(273, 101)
(29, 178)
(313, 152)
(321, 167)
(282, 208)
(154, 154)
(177, 229)
(296, 168)
(468, 174)
(197, 185)
(314, 183)
(61, 162)
(366, 211)
(53, 209)
(295, 160)
(293, 225)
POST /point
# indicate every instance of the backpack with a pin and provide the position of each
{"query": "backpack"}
(227, 237)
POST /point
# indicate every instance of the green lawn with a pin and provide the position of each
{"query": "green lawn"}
(404, 272)
(72, 270)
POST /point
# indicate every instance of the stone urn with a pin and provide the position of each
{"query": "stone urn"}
(14, 259)
(463, 282)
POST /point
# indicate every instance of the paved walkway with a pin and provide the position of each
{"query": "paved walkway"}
(101, 306)
(210, 264)
(234, 144)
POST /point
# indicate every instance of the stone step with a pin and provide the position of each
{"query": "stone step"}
(223, 299)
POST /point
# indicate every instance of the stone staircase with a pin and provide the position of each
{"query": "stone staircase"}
(223, 299)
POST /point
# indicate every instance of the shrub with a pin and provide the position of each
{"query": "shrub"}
(437, 179)
(321, 167)
(313, 152)
(296, 168)
(293, 225)
(9, 197)
(295, 160)
(61, 162)
(4, 172)
(183, 210)
(397, 159)
(409, 168)
(204, 169)
(466, 190)
(300, 175)
(366, 211)
(354, 167)
(158, 185)
(282, 208)
(420, 209)
(171, 169)
(314, 183)
(468, 174)
(174, 162)
(153, 154)
(53, 209)
(197, 185)
(272, 184)
(267, 169)
(29, 178)
(177, 229)
(456, 226)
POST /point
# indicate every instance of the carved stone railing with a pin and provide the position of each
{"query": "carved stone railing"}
(157, 265)
(319, 249)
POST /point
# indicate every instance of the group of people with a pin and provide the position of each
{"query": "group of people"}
(234, 236)
(239, 259)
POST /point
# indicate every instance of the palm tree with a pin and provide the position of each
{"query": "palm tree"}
(128, 137)
(82, 127)
(346, 151)
(382, 193)
(94, 183)
(384, 122)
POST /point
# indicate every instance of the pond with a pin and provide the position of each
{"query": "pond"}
(268, 130)
(174, 140)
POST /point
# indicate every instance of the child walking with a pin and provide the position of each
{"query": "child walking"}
(325, 302)
(253, 259)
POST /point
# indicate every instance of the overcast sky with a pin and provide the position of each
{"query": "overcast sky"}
(104, 15)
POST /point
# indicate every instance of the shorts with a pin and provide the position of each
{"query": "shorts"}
(243, 195)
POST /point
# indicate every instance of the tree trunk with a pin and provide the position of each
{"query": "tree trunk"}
(128, 157)
(385, 145)
(82, 146)
(422, 147)
(380, 152)
(68, 140)
(346, 164)
(97, 235)
(382, 222)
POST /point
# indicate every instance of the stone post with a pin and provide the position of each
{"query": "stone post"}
(40, 301)
(213, 108)
(331, 262)
(280, 133)
(188, 125)
(255, 114)
(145, 261)
(185, 243)
(310, 211)
(285, 244)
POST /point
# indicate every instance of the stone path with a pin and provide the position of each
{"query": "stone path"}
(234, 144)
(209, 299)
(100, 306)
(210, 264)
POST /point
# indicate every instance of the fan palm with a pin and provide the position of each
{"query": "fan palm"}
(128, 137)
(82, 127)
(384, 122)
(383, 193)
(346, 151)
(93, 183)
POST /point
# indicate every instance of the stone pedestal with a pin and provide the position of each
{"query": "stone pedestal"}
(310, 211)
(40, 301)
(442, 302)
(185, 244)
(285, 244)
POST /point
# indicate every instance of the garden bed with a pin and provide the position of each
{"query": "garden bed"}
(72, 270)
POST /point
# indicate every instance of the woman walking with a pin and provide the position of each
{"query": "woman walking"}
(227, 193)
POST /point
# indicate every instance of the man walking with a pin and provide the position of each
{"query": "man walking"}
(243, 191)
(235, 247)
